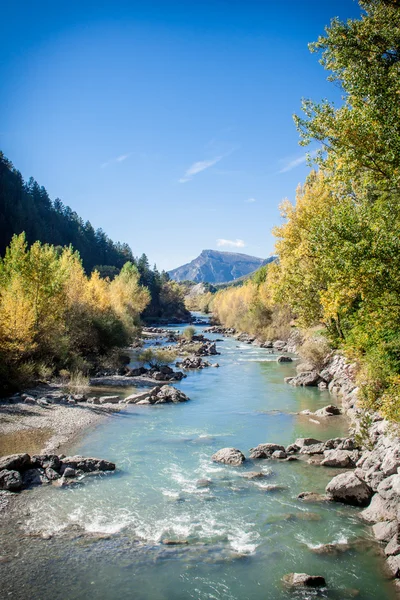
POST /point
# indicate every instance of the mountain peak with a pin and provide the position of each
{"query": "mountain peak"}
(215, 266)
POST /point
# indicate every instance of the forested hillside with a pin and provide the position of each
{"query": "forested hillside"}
(339, 245)
(26, 206)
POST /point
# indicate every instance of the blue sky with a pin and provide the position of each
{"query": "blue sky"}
(167, 123)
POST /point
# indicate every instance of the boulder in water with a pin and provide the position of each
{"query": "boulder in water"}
(303, 580)
(349, 489)
(229, 456)
(265, 450)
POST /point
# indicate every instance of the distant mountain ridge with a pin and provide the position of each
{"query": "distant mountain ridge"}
(213, 266)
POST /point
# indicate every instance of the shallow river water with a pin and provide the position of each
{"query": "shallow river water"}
(240, 536)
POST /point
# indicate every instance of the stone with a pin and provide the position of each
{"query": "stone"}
(349, 489)
(253, 475)
(322, 385)
(301, 442)
(279, 454)
(33, 477)
(306, 379)
(340, 458)
(393, 563)
(385, 530)
(136, 398)
(292, 449)
(93, 401)
(391, 462)
(87, 465)
(201, 483)
(229, 456)
(393, 547)
(330, 549)
(10, 480)
(45, 461)
(303, 580)
(380, 510)
(313, 449)
(109, 399)
(313, 497)
(273, 487)
(284, 359)
(265, 450)
(277, 345)
(15, 462)
(170, 394)
(328, 411)
(69, 473)
(51, 474)
(168, 542)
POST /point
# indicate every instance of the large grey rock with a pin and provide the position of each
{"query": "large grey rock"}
(87, 465)
(301, 442)
(340, 458)
(15, 462)
(349, 489)
(284, 359)
(109, 399)
(170, 394)
(10, 481)
(135, 398)
(385, 530)
(229, 456)
(393, 547)
(391, 462)
(393, 563)
(265, 450)
(380, 510)
(303, 580)
(305, 379)
(313, 449)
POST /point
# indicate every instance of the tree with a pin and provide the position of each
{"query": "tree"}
(361, 139)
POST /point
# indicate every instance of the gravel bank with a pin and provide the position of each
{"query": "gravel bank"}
(47, 429)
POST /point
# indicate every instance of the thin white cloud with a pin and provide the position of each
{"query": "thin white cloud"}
(292, 164)
(198, 167)
(231, 243)
(250, 200)
(117, 159)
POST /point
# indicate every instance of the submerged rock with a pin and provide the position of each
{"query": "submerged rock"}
(253, 475)
(313, 497)
(303, 580)
(229, 456)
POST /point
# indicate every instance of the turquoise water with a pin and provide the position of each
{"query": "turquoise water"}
(240, 537)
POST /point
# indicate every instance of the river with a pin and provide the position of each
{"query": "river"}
(241, 536)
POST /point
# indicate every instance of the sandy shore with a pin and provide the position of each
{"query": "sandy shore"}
(47, 429)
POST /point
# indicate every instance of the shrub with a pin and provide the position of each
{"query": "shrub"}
(315, 351)
(78, 383)
(188, 333)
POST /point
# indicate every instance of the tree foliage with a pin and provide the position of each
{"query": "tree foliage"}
(52, 313)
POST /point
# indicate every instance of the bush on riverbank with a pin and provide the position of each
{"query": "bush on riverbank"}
(53, 316)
